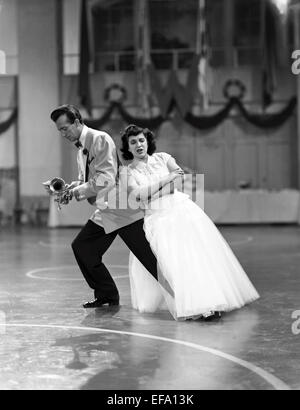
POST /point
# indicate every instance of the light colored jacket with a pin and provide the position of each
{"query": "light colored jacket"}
(103, 170)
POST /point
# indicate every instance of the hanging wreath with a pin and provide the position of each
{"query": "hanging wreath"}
(234, 89)
(115, 93)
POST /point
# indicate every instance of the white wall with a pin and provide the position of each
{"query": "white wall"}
(8, 34)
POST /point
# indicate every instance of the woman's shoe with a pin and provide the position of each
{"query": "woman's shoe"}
(211, 315)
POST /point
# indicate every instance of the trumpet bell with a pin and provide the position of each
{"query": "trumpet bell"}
(56, 185)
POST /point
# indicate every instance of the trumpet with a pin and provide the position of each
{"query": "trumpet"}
(57, 187)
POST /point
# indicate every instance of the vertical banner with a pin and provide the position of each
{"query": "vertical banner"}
(84, 91)
(202, 52)
(143, 55)
(269, 39)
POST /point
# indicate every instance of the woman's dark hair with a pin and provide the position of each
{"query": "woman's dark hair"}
(134, 130)
(71, 112)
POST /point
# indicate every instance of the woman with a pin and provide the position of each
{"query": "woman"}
(199, 276)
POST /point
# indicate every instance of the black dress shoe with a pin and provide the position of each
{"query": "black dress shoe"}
(101, 302)
(212, 316)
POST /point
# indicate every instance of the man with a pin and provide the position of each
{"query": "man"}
(98, 166)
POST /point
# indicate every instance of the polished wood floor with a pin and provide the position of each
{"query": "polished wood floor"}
(48, 341)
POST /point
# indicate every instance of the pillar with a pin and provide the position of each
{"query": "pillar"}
(38, 94)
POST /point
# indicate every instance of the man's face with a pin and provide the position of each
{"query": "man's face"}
(67, 130)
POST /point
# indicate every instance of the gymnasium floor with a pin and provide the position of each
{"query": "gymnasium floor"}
(48, 341)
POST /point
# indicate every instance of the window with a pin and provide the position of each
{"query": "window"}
(216, 27)
(173, 25)
(234, 33)
(113, 29)
(247, 41)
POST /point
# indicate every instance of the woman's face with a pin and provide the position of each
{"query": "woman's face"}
(138, 145)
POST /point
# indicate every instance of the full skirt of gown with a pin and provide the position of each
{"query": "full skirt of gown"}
(197, 270)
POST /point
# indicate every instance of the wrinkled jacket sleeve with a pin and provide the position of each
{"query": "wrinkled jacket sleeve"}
(80, 173)
(105, 169)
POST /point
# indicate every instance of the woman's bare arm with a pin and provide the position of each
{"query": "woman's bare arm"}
(146, 192)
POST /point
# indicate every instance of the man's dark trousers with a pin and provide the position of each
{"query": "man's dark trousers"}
(92, 242)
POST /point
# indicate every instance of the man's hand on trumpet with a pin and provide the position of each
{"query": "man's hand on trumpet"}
(62, 192)
(73, 184)
(65, 198)
(70, 192)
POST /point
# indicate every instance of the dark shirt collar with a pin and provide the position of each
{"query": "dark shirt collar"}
(81, 141)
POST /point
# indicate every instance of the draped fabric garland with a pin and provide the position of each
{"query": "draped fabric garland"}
(201, 122)
(268, 120)
(5, 125)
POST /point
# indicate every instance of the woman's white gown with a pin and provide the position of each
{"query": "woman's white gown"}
(198, 271)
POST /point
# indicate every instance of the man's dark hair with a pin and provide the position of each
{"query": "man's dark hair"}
(71, 112)
(134, 130)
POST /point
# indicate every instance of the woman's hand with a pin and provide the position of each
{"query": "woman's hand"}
(177, 173)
